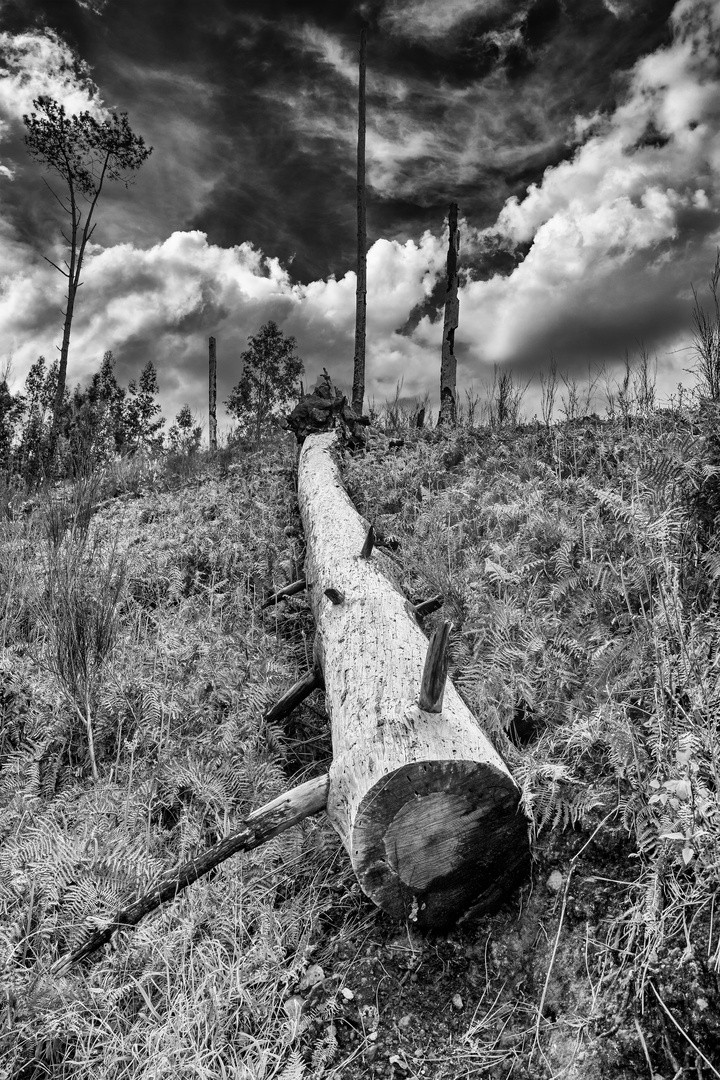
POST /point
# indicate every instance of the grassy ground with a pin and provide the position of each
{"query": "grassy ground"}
(579, 567)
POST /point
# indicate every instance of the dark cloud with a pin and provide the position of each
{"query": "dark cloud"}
(252, 165)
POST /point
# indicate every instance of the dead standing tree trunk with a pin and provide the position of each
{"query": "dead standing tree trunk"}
(448, 363)
(212, 402)
(425, 806)
(358, 390)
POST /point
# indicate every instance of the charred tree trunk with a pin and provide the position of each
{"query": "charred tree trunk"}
(425, 806)
(448, 363)
(358, 390)
(212, 403)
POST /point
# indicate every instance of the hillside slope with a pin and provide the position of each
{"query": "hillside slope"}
(578, 566)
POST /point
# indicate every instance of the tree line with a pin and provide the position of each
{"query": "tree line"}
(47, 431)
(103, 419)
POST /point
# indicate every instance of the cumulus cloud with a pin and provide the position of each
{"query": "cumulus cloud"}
(616, 234)
(40, 62)
(162, 303)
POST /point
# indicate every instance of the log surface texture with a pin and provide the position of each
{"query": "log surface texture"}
(425, 806)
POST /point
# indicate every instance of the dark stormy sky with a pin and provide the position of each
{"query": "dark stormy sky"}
(581, 139)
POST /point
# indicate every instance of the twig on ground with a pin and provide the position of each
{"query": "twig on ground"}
(683, 1032)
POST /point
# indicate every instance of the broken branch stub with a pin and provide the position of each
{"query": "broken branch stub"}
(292, 697)
(369, 544)
(432, 688)
(288, 590)
(427, 607)
(427, 810)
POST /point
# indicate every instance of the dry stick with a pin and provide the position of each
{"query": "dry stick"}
(434, 677)
(297, 693)
(289, 590)
(644, 1047)
(682, 1031)
(262, 825)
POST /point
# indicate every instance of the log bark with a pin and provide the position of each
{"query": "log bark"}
(425, 806)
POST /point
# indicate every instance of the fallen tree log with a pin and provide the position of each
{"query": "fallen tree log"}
(425, 806)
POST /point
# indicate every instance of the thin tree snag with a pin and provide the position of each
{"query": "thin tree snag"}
(358, 387)
(297, 693)
(448, 361)
(212, 396)
(426, 807)
(427, 607)
(289, 590)
(367, 548)
(432, 687)
(262, 825)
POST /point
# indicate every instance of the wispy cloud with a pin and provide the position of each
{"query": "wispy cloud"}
(428, 19)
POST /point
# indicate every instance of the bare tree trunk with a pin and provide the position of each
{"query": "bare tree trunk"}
(426, 807)
(62, 366)
(448, 364)
(212, 410)
(358, 390)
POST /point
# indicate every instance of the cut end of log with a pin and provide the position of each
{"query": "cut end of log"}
(438, 838)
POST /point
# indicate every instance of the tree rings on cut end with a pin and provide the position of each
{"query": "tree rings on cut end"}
(436, 838)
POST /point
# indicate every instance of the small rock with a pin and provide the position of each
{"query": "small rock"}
(405, 1021)
(371, 1053)
(457, 1002)
(555, 881)
(293, 1006)
(312, 977)
(347, 993)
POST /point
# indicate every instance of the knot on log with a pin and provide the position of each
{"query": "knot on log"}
(324, 409)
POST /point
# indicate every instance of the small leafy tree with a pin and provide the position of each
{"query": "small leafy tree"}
(39, 396)
(12, 406)
(269, 380)
(185, 435)
(142, 419)
(95, 428)
(84, 152)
